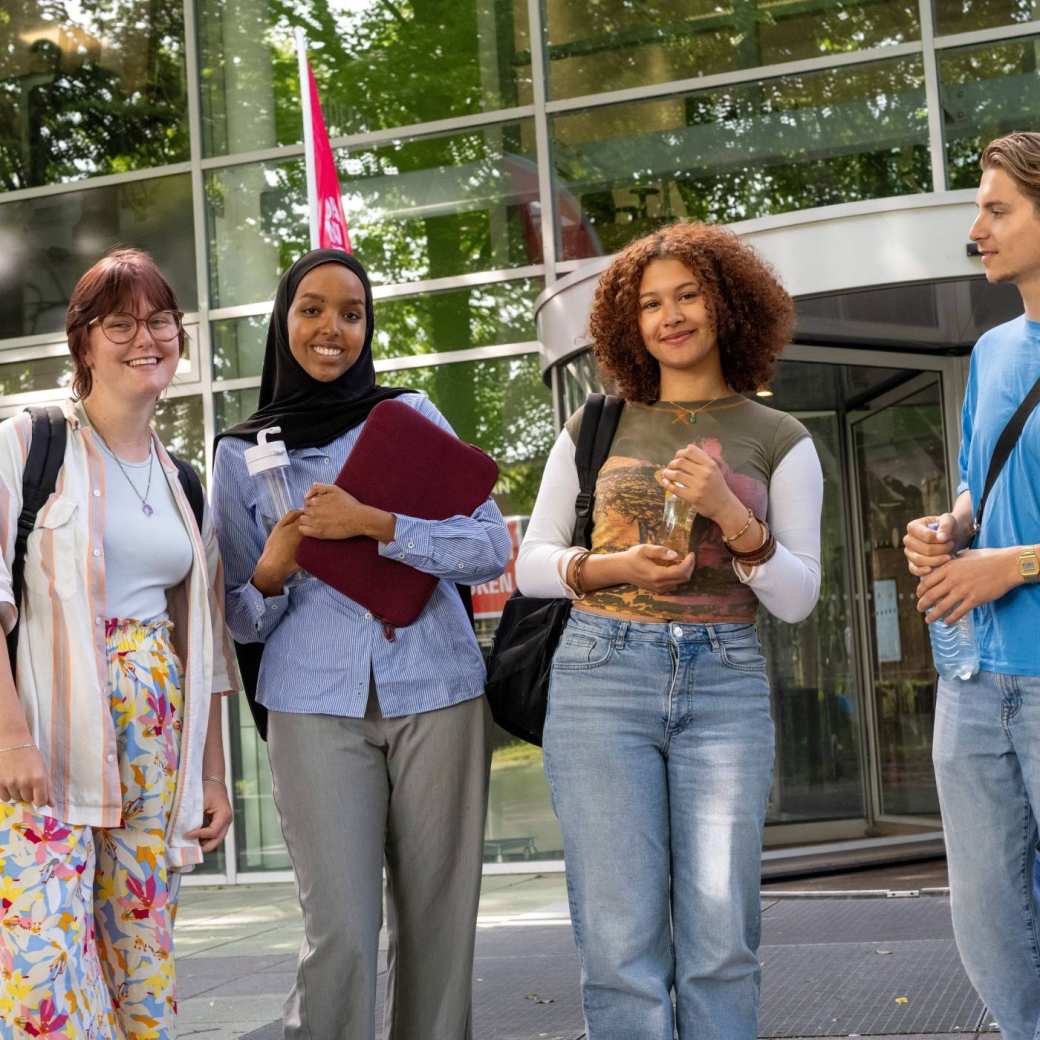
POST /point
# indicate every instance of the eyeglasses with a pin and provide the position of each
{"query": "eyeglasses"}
(122, 328)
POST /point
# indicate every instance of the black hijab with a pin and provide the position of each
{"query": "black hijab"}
(310, 412)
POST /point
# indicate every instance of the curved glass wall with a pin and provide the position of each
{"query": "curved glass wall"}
(484, 148)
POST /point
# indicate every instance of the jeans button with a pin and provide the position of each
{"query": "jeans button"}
(677, 631)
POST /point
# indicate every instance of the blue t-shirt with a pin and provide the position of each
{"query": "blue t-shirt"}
(1004, 366)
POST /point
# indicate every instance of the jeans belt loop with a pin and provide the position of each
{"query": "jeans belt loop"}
(713, 636)
(619, 637)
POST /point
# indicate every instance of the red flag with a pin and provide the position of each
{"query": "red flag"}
(332, 224)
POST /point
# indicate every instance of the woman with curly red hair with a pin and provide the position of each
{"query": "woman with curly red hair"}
(658, 740)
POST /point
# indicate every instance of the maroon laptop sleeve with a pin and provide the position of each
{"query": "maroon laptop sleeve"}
(403, 463)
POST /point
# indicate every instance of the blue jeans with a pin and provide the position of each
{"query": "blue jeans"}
(987, 767)
(659, 756)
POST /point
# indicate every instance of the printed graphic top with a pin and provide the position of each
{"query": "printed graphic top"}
(768, 460)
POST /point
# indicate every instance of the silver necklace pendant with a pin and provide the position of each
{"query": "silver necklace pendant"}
(146, 509)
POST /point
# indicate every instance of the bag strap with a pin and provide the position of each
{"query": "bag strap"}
(39, 479)
(1005, 445)
(599, 423)
(192, 487)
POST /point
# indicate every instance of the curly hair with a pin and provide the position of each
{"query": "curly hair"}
(752, 313)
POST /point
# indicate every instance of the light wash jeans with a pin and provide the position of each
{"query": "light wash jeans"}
(987, 767)
(659, 756)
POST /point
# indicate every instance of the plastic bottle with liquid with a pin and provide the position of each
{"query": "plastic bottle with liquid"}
(954, 649)
(677, 523)
(268, 464)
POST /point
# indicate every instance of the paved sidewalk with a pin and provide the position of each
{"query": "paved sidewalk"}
(835, 964)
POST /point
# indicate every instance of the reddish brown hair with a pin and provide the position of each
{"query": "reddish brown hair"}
(751, 311)
(114, 283)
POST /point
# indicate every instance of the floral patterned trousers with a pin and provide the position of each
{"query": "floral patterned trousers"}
(86, 914)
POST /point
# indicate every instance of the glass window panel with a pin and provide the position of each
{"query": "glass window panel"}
(739, 152)
(422, 209)
(179, 423)
(614, 44)
(377, 65)
(44, 373)
(986, 91)
(956, 16)
(90, 87)
(238, 346)
(48, 242)
(480, 315)
(232, 406)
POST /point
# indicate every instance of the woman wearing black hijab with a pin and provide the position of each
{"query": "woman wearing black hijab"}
(378, 740)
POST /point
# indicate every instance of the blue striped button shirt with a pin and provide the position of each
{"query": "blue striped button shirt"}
(320, 644)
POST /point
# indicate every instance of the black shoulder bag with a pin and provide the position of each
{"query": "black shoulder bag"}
(526, 639)
(40, 478)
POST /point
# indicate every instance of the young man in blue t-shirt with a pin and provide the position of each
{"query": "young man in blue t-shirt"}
(987, 729)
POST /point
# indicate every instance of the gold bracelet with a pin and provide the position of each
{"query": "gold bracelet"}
(579, 566)
(214, 780)
(743, 530)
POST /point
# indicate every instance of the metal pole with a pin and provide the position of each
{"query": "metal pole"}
(308, 135)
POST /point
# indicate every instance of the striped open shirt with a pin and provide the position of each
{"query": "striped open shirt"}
(321, 646)
(62, 666)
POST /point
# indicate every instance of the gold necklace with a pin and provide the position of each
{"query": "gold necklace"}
(689, 415)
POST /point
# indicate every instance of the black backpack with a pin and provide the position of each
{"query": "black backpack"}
(39, 479)
(517, 685)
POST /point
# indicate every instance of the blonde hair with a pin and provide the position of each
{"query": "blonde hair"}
(1018, 155)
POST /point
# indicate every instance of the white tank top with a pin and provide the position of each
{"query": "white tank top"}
(145, 553)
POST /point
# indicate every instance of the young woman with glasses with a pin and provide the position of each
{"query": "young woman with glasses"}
(111, 762)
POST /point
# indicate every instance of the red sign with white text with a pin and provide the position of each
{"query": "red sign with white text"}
(490, 598)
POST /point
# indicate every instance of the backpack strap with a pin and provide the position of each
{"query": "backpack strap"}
(39, 479)
(192, 487)
(599, 423)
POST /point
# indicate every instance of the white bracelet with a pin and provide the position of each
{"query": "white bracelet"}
(16, 747)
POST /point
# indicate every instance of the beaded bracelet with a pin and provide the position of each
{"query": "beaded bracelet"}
(756, 557)
(733, 537)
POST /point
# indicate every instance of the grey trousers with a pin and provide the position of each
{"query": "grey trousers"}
(352, 793)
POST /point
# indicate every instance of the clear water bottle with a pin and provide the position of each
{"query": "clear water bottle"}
(954, 650)
(268, 464)
(677, 523)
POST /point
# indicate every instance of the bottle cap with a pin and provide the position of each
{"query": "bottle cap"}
(266, 454)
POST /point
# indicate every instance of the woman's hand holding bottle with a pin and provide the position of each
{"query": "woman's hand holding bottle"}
(695, 477)
(277, 562)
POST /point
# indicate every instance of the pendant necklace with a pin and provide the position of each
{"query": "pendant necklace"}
(146, 508)
(689, 415)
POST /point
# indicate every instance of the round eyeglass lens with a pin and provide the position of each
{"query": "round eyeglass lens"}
(122, 328)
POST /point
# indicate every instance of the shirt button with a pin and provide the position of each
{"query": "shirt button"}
(274, 606)
(97, 552)
(97, 492)
(677, 632)
(97, 619)
(411, 545)
(461, 565)
(110, 757)
(368, 616)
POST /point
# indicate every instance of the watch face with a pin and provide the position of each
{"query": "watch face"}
(1029, 566)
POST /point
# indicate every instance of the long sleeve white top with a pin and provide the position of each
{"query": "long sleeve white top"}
(788, 585)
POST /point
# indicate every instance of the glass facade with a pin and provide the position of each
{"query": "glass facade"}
(484, 147)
